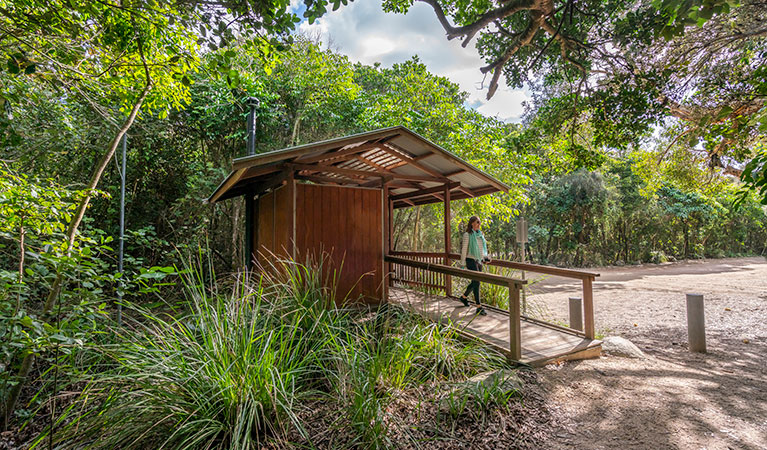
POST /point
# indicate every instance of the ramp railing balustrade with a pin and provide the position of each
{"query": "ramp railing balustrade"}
(432, 272)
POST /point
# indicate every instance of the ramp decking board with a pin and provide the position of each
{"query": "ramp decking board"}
(540, 344)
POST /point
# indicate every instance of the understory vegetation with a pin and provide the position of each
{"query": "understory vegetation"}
(250, 361)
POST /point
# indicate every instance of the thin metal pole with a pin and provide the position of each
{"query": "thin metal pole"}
(122, 231)
(522, 239)
(250, 209)
(448, 242)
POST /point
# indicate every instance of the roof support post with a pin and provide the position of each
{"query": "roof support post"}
(250, 212)
(387, 218)
(448, 243)
(291, 193)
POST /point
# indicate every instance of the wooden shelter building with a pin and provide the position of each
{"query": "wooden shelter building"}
(337, 197)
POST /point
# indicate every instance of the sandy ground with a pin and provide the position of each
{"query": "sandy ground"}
(673, 398)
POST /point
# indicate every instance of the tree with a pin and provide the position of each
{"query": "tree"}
(630, 204)
(316, 88)
(703, 78)
(125, 58)
(685, 207)
(626, 67)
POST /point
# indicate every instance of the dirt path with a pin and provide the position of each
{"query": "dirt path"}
(673, 398)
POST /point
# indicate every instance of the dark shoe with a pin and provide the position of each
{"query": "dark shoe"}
(481, 311)
(465, 301)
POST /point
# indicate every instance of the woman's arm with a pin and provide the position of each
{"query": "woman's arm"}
(464, 248)
(485, 255)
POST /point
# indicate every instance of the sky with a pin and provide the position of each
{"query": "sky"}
(366, 34)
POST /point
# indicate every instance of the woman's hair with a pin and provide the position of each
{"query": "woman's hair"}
(469, 227)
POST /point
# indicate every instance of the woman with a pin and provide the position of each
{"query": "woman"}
(473, 253)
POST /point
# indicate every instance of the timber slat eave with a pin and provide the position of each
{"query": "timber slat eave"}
(290, 152)
(427, 191)
(460, 162)
(463, 194)
(413, 149)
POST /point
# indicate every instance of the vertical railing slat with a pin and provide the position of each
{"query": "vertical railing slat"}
(588, 308)
(515, 325)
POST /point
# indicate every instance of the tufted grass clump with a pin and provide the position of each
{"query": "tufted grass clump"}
(241, 367)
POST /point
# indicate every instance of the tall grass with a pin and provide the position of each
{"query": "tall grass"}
(240, 368)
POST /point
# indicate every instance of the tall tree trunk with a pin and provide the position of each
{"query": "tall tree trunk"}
(235, 256)
(548, 243)
(415, 228)
(26, 365)
(296, 128)
(626, 238)
(22, 250)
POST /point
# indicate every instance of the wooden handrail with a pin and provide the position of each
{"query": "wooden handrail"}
(587, 278)
(514, 285)
(537, 268)
(455, 271)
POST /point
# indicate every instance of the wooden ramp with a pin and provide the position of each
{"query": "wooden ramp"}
(541, 343)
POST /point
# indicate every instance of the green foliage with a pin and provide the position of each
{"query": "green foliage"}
(474, 399)
(682, 205)
(32, 239)
(35, 215)
(242, 367)
(755, 177)
(581, 168)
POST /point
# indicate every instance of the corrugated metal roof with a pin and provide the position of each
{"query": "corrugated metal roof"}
(405, 160)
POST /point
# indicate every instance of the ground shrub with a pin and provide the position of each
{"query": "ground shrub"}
(245, 365)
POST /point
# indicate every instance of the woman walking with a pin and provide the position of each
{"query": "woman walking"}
(473, 253)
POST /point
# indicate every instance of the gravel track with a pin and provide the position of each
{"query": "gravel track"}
(673, 398)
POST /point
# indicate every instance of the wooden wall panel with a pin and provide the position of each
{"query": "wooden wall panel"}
(346, 224)
(282, 217)
(265, 226)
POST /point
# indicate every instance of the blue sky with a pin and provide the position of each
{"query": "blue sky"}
(364, 33)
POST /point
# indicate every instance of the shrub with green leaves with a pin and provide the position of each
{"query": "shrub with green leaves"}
(34, 217)
(243, 366)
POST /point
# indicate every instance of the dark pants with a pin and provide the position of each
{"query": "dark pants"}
(473, 264)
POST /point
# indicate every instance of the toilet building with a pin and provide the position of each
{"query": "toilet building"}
(337, 197)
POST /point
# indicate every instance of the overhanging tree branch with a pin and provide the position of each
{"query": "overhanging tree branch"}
(510, 8)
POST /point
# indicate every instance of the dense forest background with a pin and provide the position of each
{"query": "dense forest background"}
(644, 141)
(647, 202)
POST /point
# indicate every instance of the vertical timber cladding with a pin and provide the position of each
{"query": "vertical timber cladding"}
(273, 211)
(345, 223)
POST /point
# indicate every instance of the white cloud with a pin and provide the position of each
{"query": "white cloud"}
(363, 32)
(295, 6)
(375, 46)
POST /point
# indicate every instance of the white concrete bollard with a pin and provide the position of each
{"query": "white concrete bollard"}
(696, 323)
(576, 313)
